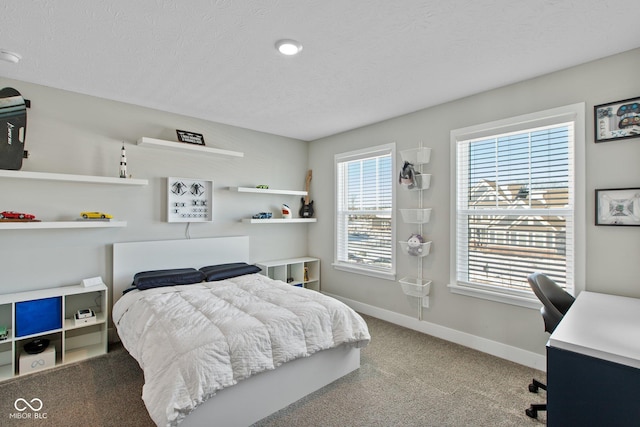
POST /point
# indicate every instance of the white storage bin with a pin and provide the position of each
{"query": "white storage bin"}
(422, 182)
(424, 250)
(415, 287)
(416, 216)
(37, 362)
(416, 156)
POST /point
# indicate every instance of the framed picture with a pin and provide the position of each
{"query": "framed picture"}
(618, 206)
(189, 200)
(617, 120)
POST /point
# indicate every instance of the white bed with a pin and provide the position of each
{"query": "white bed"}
(262, 394)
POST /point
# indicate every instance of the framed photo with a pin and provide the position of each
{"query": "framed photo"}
(617, 120)
(618, 206)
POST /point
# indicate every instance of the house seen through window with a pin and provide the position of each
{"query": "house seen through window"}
(515, 205)
(365, 241)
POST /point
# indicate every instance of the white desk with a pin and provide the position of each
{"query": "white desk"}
(593, 363)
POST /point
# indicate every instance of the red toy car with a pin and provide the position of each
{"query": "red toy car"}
(15, 215)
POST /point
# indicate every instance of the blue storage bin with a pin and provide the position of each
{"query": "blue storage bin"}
(38, 315)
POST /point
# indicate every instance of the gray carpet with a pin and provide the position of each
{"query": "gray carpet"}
(406, 379)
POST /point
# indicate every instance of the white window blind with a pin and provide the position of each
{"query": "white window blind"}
(364, 211)
(515, 205)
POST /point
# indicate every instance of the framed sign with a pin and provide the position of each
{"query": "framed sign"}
(618, 206)
(190, 137)
(617, 120)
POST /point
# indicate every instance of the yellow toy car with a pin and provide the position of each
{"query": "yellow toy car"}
(95, 215)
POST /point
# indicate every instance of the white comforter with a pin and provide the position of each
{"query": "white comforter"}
(194, 340)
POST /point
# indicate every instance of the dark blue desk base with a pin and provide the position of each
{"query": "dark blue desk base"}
(585, 391)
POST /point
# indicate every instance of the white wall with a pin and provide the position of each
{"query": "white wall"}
(77, 134)
(612, 253)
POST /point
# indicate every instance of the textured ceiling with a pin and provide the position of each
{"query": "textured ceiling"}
(362, 62)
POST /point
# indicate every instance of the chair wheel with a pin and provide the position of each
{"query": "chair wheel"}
(533, 388)
(531, 413)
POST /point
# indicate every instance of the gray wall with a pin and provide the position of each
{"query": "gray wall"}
(71, 133)
(77, 134)
(612, 253)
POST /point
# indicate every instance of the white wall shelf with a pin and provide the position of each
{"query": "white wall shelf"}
(277, 220)
(303, 272)
(267, 191)
(182, 146)
(71, 342)
(46, 176)
(24, 225)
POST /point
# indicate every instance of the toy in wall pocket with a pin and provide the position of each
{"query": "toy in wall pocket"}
(408, 175)
(13, 123)
(414, 244)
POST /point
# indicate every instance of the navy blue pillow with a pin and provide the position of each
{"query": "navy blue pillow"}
(226, 271)
(176, 276)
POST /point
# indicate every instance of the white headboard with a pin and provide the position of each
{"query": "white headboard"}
(132, 257)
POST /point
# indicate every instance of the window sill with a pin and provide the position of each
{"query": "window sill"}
(522, 301)
(364, 271)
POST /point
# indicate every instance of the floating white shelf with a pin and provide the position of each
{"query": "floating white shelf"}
(267, 191)
(277, 220)
(182, 146)
(46, 176)
(60, 224)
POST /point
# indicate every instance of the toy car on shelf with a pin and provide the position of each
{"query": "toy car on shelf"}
(262, 187)
(15, 215)
(95, 215)
(262, 215)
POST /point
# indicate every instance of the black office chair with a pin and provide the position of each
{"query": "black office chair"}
(555, 303)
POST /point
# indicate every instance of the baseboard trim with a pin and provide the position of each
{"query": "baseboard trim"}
(494, 348)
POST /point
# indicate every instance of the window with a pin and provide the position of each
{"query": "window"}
(365, 198)
(515, 204)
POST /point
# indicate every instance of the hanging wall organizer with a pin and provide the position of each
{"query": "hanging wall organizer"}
(416, 245)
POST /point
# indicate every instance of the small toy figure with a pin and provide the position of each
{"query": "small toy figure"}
(408, 175)
(16, 215)
(286, 211)
(123, 162)
(414, 244)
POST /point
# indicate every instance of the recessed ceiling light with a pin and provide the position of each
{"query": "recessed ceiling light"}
(288, 47)
(8, 56)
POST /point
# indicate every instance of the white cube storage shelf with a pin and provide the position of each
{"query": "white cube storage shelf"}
(292, 271)
(70, 342)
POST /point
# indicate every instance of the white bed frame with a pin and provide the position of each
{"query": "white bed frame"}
(261, 395)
